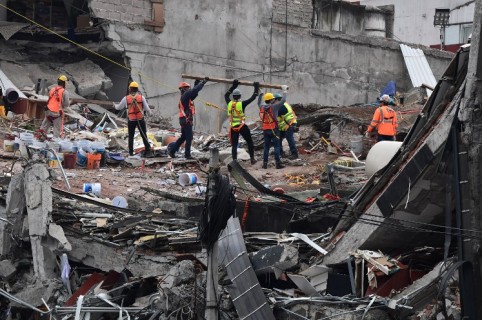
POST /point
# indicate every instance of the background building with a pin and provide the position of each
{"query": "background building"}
(414, 21)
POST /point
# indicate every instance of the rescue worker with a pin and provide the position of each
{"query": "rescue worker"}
(54, 112)
(136, 106)
(385, 120)
(268, 113)
(287, 125)
(237, 118)
(3, 112)
(187, 110)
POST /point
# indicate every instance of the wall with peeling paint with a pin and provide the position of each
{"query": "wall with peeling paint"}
(235, 39)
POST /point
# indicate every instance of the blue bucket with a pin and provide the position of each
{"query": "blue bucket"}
(81, 158)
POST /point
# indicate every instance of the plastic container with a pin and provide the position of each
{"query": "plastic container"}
(119, 201)
(81, 158)
(65, 146)
(39, 144)
(8, 145)
(97, 146)
(187, 179)
(94, 188)
(69, 160)
(93, 160)
(25, 136)
(54, 145)
(356, 143)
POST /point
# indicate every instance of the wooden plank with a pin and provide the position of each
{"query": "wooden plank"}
(230, 81)
(158, 9)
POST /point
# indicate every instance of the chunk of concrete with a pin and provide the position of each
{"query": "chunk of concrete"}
(181, 273)
(7, 269)
(271, 259)
(57, 242)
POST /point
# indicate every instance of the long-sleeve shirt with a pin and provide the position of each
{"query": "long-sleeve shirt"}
(190, 95)
(244, 103)
(275, 106)
(65, 99)
(123, 105)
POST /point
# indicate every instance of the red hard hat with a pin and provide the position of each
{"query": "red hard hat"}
(184, 85)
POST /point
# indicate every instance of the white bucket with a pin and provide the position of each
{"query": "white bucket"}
(119, 201)
(93, 188)
(187, 179)
(357, 144)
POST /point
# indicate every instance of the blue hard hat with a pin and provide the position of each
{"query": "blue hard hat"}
(277, 96)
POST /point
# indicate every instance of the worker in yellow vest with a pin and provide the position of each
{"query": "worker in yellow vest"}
(54, 112)
(287, 125)
(136, 106)
(237, 119)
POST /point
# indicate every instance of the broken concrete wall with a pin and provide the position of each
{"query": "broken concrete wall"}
(300, 13)
(127, 11)
(237, 40)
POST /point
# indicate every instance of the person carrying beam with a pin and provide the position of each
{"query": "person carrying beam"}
(237, 119)
(54, 111)
(268, 112)
(187, 110)
(136, 106)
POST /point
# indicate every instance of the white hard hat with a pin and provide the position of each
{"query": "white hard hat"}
(385, 97)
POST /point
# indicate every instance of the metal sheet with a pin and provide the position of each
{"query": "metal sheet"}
(246, 292)
(418, 67)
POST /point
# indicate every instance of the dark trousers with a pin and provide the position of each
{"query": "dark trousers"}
(186, 136)
(289, 134)
(246, 133)
(381, 137)
(131, 129)
(271, 137)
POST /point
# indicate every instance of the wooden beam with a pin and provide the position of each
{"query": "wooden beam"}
(230, 81)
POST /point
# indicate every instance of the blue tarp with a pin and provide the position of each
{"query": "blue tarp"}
(389, 89)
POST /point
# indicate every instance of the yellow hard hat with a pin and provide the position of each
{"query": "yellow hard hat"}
(134, 85)
(268, 96)
(62, 78)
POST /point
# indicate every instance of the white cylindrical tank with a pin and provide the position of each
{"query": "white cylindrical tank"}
(375, 24)
(380, 155)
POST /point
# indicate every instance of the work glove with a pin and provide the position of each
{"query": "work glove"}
(235, 83)
(206, 79)
(367, 135)
(197, 82)
(256, 87)
(284, 87)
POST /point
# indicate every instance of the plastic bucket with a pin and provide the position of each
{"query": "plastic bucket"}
(69, 160)
(93, 160)
(187, 179)
(8, 145)
(356, 144)
(93, 188)
(81, 158)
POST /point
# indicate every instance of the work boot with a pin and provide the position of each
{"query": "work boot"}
(279, 165)
(253, 161)
(293, 156)
(147, 154)
(265, 165)
(171, 153)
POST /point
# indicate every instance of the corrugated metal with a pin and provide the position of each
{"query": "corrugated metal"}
(417, 65)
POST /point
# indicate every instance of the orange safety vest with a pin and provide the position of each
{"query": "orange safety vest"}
(385, 120)
(54, 103)
(191, 107)
(268, 118)
(134, 107)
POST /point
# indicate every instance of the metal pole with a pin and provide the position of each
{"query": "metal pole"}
(211, 312)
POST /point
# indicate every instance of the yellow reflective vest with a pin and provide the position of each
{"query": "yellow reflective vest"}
(286, 120)
(236, 114)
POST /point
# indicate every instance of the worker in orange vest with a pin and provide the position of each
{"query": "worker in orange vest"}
(136, 106)
(385, 120)
(268, 113)
(237, 117)
(54, 111)
(187, 110)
